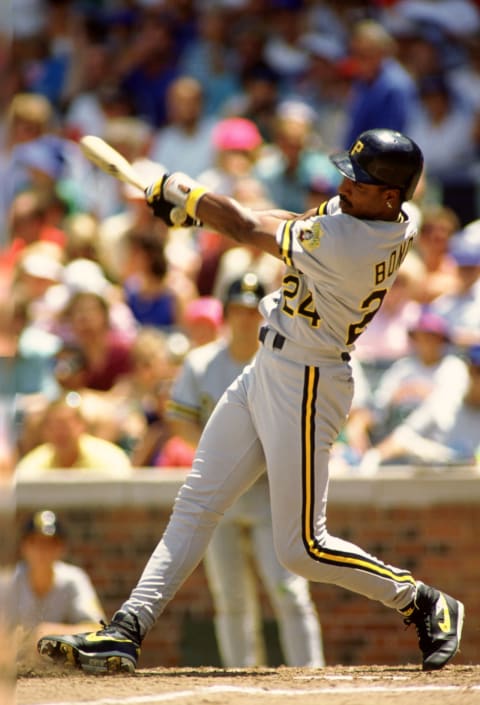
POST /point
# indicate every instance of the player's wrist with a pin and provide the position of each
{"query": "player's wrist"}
(183, 191)
(171, 214)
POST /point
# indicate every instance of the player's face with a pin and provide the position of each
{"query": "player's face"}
(366, 201)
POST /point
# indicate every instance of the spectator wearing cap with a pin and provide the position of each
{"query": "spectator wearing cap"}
(444, 430)
(461, 308)
(203, 320)
(236, 142)
(66, 444)
(383, 93)
(45, 593)
(206, 373)
(430, 366)
(185, 142)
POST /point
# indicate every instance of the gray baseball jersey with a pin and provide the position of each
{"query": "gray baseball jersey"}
(71, 600)
(288, 407)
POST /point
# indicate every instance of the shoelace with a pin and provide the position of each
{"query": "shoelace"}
(124, 629)
(422, 623)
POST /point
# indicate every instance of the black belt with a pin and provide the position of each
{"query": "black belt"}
(279, 341)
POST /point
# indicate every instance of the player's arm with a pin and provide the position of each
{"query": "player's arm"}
(219, 212)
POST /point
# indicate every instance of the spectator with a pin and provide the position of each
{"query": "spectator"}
(444, 430)
(91, 96)
(383, 94)
(26, 377)
(444, 128)
(282, 165)
(146, 68)
(68, 445)
(236, 143)
(99, 409)
(27, 225)
(461, 307)
(203, 320)
(318, 178)
(185, 142)
(431, 258)
(146, 288)
(44, 592)
(325, 86)
(409, 381)
(142, 395)
(207, 372)
(386, 337)
(29, 116)
(259, 85)
(234, 262)
(209, 59)
(283, 52)
(131, 216)
(81, 230)
(131, 136)
(354, 439)
(87, 317)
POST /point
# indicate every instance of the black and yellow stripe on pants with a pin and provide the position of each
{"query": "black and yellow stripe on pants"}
(317, 552)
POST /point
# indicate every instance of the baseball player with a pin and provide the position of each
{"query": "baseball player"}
(289, 405)
(207, 372)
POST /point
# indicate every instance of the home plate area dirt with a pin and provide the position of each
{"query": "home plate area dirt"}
(369, 685)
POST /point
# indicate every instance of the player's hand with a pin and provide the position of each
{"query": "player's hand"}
(173, 216)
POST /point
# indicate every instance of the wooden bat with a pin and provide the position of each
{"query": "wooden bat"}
(112, 162)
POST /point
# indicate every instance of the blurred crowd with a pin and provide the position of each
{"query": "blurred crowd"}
(100, 302)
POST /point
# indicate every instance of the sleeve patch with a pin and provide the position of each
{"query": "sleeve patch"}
(310, 234)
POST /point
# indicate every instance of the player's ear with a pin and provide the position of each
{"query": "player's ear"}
(391, 198)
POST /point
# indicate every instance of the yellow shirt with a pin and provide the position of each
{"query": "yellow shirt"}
(95, 454)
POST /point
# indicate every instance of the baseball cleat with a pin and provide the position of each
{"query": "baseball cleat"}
(113, 649)
(438, 619)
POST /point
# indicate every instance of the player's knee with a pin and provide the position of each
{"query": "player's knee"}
(296, 560)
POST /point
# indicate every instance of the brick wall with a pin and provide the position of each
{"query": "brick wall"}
(435, 537)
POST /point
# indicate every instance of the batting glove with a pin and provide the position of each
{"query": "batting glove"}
(173, 216)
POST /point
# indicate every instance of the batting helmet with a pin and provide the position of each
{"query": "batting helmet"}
(382, 157)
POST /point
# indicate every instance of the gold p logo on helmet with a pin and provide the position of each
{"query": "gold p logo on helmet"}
(357, 147)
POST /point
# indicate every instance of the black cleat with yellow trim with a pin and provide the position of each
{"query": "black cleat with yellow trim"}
(113, 649)
(438, 619)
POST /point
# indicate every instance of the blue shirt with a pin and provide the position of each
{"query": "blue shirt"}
(386, 102)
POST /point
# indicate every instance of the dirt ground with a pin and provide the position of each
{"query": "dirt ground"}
(372, 685)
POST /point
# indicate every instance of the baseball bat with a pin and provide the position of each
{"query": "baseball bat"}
(109, 160)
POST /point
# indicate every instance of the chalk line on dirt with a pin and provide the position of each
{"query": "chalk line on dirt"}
(215, 689)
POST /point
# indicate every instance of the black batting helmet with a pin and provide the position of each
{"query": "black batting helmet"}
(247, 291)
(382, 157)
